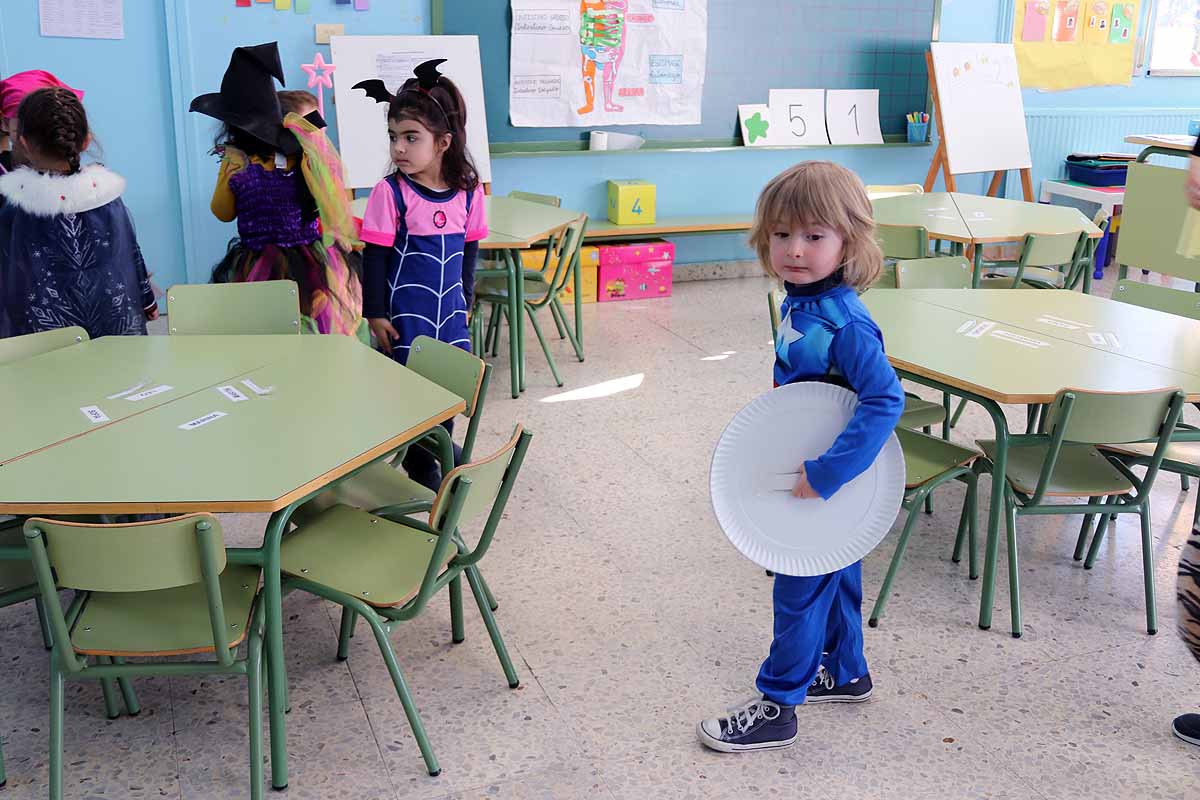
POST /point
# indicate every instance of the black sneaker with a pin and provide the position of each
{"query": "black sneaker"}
(757, 725)
(1187, 727)
(825, 690)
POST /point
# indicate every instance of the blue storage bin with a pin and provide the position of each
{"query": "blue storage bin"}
(1085, 172)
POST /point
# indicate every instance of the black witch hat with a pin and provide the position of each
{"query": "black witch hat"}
(247, 100)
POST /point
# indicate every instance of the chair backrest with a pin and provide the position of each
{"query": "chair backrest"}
(1159, 298)
(903, 241)
(892, 190)
(1051, 249)
(457, 371)
(256, 307)
(17, 348)
(949, 272)
(534, 197)
(775, 305)
(570, 246)
(136, 557)
(1101, 418)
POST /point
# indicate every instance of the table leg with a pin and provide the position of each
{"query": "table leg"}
(276, 671)
(978, 274)
(992, 552)
(514, 320)
(1092, 247)
(579, 306)
(519, 320)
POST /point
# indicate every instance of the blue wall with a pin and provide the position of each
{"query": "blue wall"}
(138, 90)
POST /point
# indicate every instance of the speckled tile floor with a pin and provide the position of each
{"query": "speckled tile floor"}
(629, 618)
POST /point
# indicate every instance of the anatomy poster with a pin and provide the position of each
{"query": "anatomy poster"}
(593, 63)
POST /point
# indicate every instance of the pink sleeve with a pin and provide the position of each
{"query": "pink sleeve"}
(379, 221)
(477, 227)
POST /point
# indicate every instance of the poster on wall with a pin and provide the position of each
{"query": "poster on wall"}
(1068, 44)
(591, 63)
(82, 19)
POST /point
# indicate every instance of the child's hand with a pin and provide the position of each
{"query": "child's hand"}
(152, 313)
(384, 333)
(803, 488)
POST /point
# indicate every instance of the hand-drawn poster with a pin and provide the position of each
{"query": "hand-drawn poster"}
(594, 63)
(1067, 44)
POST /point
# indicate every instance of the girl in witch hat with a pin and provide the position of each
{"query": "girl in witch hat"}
(281, 179)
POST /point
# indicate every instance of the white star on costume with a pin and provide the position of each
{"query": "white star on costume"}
(785, 338)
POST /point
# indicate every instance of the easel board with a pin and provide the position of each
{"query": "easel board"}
(362, 122)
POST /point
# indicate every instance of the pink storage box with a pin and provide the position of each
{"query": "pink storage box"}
(635, 271)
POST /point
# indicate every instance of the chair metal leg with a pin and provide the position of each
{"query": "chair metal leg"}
(349, 618)
(1101, 530)
(487, 593)
(111, 710)
(1014, 571)
(962, 405)
(56, 730)
(967, 527)
(1148, 569)
(1085, 530)
(558, 321)
(493, 629)
(928, 431)
(410, 708)
(254, 689)
(457, 634)
(574, 337)
(132, 707)
(1196, 512)
(3, 777)
(44, 624)
(1185, 483)
(886, 590)
(537, 329)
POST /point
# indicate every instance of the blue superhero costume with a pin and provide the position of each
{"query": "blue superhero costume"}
(827, 334)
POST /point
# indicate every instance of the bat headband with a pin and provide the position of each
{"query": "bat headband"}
(427, 77)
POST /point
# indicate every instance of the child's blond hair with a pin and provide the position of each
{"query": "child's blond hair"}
(821, 193)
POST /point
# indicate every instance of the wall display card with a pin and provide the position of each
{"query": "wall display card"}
(852, 116)
(799, 116)
(590, 63)
(82, 19)
(755, 121)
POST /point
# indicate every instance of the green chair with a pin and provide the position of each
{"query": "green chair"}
(542, 290)
(1159, 298)
(151, 590)
(1047, 261)
(386, 571)
(902, 241)
(946, 272)
(383, 489)
(254, 307)
(534, 197)
(930, 462)
(1064, 462)
(17, 348)
(1181, 458)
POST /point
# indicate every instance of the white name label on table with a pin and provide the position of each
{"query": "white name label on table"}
(1113, 340)
(212, 416)
(232, 393)
(258, 390)
(130, 390)
(1017, 338)
(133, 398)
(94, 414)
(980, 329)
(1059, 322)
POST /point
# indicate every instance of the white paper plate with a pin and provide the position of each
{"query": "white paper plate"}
(753, 472)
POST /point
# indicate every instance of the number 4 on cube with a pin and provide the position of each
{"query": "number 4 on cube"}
(631, 202)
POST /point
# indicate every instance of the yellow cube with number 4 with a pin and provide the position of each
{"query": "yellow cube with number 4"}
(631, 202)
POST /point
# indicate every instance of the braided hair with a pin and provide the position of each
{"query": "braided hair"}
(54, 123)
(441, 109)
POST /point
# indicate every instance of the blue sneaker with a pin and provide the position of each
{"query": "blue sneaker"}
(824, 689)
(756, 725)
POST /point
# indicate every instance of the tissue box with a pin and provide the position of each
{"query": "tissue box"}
(636, 271)
(589, 267)
(631, 202)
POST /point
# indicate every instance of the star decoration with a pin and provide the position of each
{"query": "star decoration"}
(320, 75)
(756, 127)
(786, 337)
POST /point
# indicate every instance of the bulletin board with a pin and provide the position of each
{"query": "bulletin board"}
(1068, 44)
(753, 46)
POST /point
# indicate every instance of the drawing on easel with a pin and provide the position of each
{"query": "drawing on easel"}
(602, 34)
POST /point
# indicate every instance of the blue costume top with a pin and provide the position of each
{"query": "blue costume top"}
(69, 255)
(827, 334)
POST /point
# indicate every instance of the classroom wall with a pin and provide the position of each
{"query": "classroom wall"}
(138, 90)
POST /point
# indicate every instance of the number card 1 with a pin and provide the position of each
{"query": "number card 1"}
(853, 116)
(798, 116)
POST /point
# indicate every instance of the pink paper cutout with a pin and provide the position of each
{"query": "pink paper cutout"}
(362, 5)
(320, 75)
(1036, 12)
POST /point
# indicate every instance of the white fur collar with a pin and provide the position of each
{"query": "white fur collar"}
(45, 195)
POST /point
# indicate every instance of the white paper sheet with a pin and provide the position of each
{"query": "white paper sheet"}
(852, 116)
(643, 60)
(82, 19)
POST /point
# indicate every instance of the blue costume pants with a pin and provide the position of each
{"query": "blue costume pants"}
(817, 614)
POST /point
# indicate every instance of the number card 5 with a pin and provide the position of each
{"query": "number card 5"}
(798, 116)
